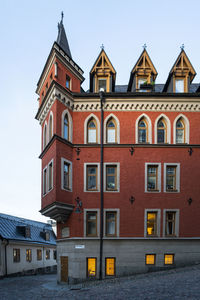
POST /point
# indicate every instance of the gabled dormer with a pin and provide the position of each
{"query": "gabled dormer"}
(102, 75)
(143, 74)
(181, 75)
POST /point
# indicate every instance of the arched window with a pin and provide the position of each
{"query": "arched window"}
(111, 131)
(50, 127)
(45, 136)
(142, 131)
(180, 131)
(92, 131)
(66, 127)
(161, 131)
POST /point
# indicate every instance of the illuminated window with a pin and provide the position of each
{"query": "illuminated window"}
(39, 254)
(16, 255)
(152, 224)
(150, 259)
(67, 82)
(28, 255)
(180, 132)
(169, 259)
(111, 131)
(111, 178)
(111, 223)
(47, 254)
(102, 84)
(91, 224)
(50, 175)
(152, 178)
(110, 266)
(161, 131)
(66, 128)
(179, 85)
(91, 178)
(92, 131)
(170, 223)
(170, 178)
(142, 131)
(91, 267)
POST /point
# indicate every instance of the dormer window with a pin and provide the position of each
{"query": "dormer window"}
(179, 85)
(102, 84)
(67, 82)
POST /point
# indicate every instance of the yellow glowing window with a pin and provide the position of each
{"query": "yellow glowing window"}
(152, 223)
(150, 259)
(91, 267)
(110, 266)
(169, 259)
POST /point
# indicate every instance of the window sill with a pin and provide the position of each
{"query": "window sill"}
(153, 191)
(172, 191)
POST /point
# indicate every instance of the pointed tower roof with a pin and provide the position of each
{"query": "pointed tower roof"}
(62, 38)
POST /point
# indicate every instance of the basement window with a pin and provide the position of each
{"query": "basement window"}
(150, 259)
(91, 266)
(110, 266)
(169, 259)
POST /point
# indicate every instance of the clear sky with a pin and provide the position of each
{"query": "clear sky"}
(27, 32)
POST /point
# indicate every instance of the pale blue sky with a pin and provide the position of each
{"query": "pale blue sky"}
(27, 32)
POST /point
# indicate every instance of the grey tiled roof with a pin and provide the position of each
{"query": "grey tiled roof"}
(121, 88)
(62, 39)
(193, 87)
(9, 230)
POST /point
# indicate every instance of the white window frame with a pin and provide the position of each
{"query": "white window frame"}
(177, 211)
(86, 128)
(177, 165)
(149, 129)
(187, 128)
(97, 210)
(45, 168)
(117, 210)
(168, 129)
(66, 111)
(117, 164)
(49, 190)
(117, 129)
(63, 160)
(146, 177)
(85, 177)
(157, 210)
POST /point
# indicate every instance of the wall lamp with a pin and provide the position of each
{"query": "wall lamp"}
(78, 205)
(78, 150)
(132, 150)
(131, 199)
(190, 151)
(190, 201)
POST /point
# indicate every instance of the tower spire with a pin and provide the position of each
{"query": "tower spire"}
(62, 38)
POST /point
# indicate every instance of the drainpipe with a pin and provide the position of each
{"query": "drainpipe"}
(6, 267)
(101, 187)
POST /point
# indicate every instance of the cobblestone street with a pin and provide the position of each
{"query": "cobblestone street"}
(181, 284)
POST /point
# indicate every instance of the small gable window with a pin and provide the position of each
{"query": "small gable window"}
(92, 131)
(142, 131)
(161, 131)
(111, 131)
(102, 84)
(180, 132)
(66, 127)
(179, 85)
(67, 84)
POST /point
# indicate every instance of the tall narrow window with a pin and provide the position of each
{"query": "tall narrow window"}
(111, 178)
(111, 223)
(151, 223)
(161, 131)
(28, 255)
(45, 136)
(50, 176)
(170, 222)
(16, 255)
(50, 127)
(111, 131)
(66, 127)
(48, 254)
(91, 178)
(142, 131)
(39, 254)
(102, 84)
(171, 178)
(110, 266)
(180, 132)
(66, 175)
(45, 181)
(92, 131)
(91, 266)
(152, 178)
(179, 85)
(67, 82)
(91, 224)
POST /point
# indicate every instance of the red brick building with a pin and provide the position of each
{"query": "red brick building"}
(120, 165)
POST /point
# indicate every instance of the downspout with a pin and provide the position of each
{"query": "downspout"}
(6, 267)
(101, 188)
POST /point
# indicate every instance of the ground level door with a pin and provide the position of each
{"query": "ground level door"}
(64, 268)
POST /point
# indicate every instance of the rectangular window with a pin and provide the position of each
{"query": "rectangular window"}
(111, 223)
(66, 176)
(91, 266)
(111, 178)
(179, 85)
(54, 254)
(28, 255)
(16, 255)
(45, 181)
(91, 178)
(47, 254)
(152, 224)
(110, 266)
(102, 84)
(140, 82)
(169, 259)
(50, 176)
(171, 178)
(150, 259)
(152, 178)
(67, 82)
(91, 223)
(39, 254)
(170, 223)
